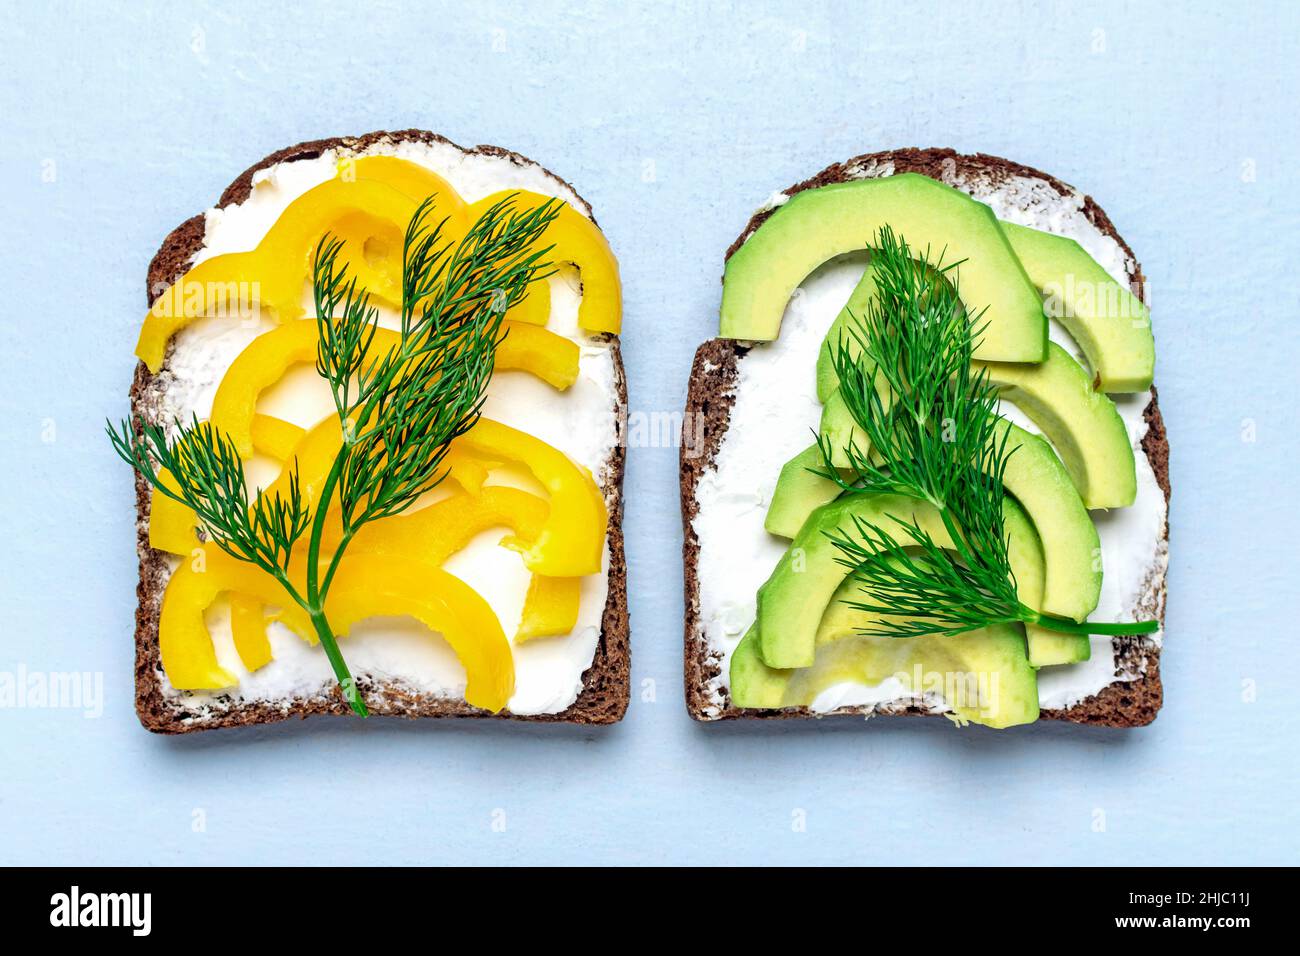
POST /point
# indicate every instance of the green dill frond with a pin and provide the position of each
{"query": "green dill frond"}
(931, 433)
(207, 476)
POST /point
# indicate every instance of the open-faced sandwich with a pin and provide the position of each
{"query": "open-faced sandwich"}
(933, 476)
(376, 428)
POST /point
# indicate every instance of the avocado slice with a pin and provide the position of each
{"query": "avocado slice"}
(799, 491)
(1110, 323)
(1071, 547)
(815, 225)
(828, 380)
(839, 427)
(864, 293)
(792, 601)
(1082, 424)
(753, 683)
(1038, 481)
(982, 675)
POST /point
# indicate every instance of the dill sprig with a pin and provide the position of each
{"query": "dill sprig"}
(930, 424)
(399, 411)
(207, 475)
(906, 377)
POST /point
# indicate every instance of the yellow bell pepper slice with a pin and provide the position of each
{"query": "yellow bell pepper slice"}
(372, 585)
(248, 628)
(579, 243)
(369, 211)
(184, 644)
(571, 542)
(552, 358)
(467, 471)
(314, 456)
(274, 437)
(412, 180)
(530, 348)
(436, 532)
(371, 219)
(550, 608)
(172, 524)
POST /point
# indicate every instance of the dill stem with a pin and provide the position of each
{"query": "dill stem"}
(1066, 626)
(341, 672)
(316, 593)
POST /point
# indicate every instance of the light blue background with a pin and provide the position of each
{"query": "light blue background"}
(674, 121)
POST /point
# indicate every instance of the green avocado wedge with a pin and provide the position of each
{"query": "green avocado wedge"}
(1082, 424)
(1071, 547)
(816, 225)
(839, 428)
(799, 491)
(864, 293)
(1038, 481)
(1110, 323)
(752, 682)
(983, 676)
(794, 598)
(1035, 477)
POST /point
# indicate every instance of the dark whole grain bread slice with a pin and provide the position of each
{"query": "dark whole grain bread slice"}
(606, 683)
(710, 394)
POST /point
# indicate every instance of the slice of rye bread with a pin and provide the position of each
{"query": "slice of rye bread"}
(606, 683)
(1123, 703)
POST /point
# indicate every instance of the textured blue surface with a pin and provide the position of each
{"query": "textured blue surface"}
(674, 122)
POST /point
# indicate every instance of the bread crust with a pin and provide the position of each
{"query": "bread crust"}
(606, 683)
(711, 392)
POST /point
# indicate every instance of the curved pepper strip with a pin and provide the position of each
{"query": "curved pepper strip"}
(273, 274)
(419, 540)
(369, 211)
(264, 361)
(375, 585)
(418, 182)
(184, 644)
(571, 542)
(550, 608)
(436, 532)
(248, 628)
(275, 437)
(577, 242)
(412, 180)
(172, 524)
